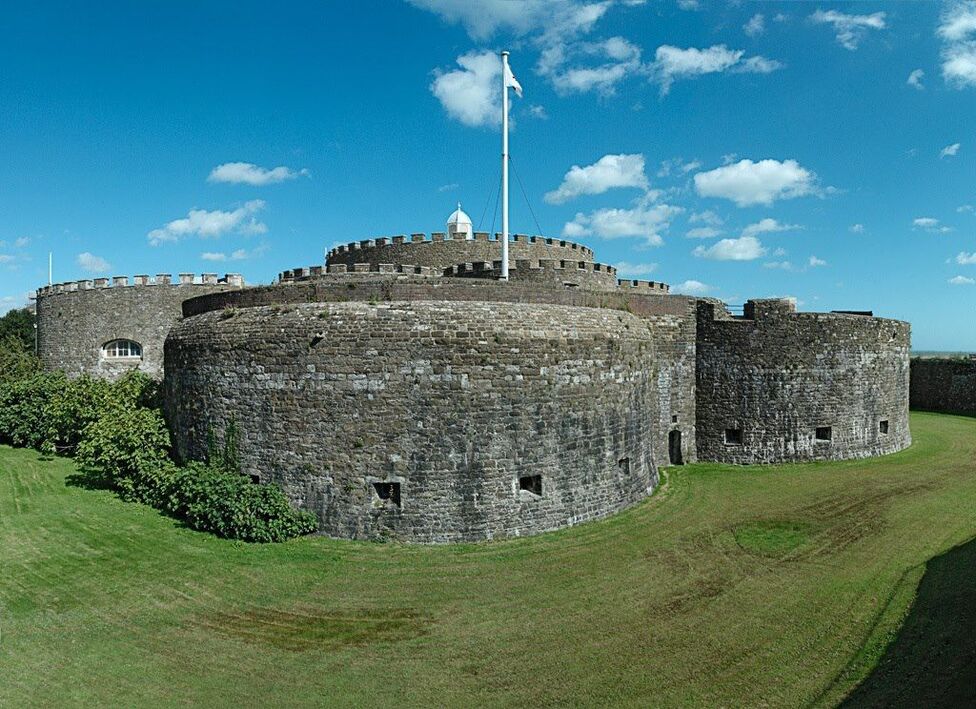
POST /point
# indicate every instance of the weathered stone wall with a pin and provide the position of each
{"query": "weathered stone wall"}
(547, 272)
(776, 376)
(455, 401)
(441, 251)
(675, 379)
(75, 319)
(944, 385)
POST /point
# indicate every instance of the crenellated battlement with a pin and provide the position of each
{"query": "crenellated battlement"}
(160, 279)
(491, 269)
(439, 236)
(307, 273)
(642, 286)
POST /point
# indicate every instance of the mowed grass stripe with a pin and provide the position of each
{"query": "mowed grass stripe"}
(108, 602)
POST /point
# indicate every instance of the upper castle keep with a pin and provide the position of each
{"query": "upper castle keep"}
(402, 391)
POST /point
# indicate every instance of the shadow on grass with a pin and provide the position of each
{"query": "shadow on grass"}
(89, 480)
(932, 660)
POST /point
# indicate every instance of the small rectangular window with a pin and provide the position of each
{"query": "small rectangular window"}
(824, 433)
(531, 483)
(674, 418)
(388, 492)
(883, 427)
(256, 479)
(733, 436)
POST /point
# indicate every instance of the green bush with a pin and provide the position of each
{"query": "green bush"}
(24, 409)
(123, 442)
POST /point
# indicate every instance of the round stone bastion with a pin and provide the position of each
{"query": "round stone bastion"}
(424, 421)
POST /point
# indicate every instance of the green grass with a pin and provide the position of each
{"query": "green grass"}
(754, 586)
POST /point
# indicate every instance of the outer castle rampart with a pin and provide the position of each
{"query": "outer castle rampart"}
(947, 385)
(400, 390)
(78, 321)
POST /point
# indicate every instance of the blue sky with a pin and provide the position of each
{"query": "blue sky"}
(738, 149)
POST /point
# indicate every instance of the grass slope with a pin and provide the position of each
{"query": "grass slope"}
(733, 586)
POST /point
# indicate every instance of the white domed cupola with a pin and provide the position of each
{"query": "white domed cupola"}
(460, 223)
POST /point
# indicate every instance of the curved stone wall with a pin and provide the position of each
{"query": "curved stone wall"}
(944, 385)
(442, 252)
(74, 320)
(547, 272)
(459, 404)
(768, 381)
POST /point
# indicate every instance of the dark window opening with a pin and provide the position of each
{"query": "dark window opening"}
(824, 433)
(733, 436)
(674, 448)
(674, 418)
(388, 491)
(624, 465)
(531, 483)
(883, 426)
(256, 479)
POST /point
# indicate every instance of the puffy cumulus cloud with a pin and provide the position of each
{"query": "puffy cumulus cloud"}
(745, 248)
(949, 151)
(90, 263)
(211, 224)
(814, 262)
(626, 268)
(850, 29)
(931, 225)
(957, 29)
(238, 255)
(703, 232)
(247, 173)
(781, 265)
(213, 256)
(961, 281)
(674, 63)
(915, 79)
(483, 18)
(608, 172)
(768, 226)
(707, 217)
(963, 208)
(617, 59)
(966, 259)
(677, 166)
(643, 221)
(471, 94)
(691, 287)
(755, 26)
(748, 183)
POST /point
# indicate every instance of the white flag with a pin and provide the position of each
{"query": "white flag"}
(512, 82)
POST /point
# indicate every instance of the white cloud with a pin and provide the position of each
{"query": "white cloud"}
(247, 173)
(856, 228)
(949, 151)
(781, 265)
(915, 79)
(22, 242)
(931, 225)
(608, 172)
(677, 165)
(703, 232)
(7, 258)
(745, 248)
(203, 223)
(471, 94)
(958, 33)
(965, 208)
(688, 4)
(673, 63)
(961, 281)
(748, 183)
(706, 217)
(768, 226)
(691, 287)
(213, 256)
(449, 187)
(483, 18)
(966, 259)
(814, 262)
(622, 59)
(850, 29)
(755, 26)
(238, 255)
(641, 221)
(538, 112)
(625, 268)
(90, 263)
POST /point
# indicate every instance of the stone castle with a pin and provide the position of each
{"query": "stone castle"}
(401, 390)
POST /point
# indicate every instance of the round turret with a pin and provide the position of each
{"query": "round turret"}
(460, 223)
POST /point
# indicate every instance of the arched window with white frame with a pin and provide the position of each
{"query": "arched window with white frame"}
(122, 349)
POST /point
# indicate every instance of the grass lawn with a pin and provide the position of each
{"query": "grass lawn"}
(731, 586)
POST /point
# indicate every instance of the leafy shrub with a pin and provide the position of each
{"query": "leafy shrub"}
(17, 360)
(24, 408)
(229, 505)
(124, 442)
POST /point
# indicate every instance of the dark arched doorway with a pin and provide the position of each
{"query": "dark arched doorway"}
(674, 448)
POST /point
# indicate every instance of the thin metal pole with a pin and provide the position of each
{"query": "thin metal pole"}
(504, 275)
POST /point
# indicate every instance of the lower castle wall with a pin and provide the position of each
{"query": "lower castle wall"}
(455, 401)
(781, 375)
(944, 385)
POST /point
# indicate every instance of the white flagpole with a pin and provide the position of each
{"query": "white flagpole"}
(50, 267)
(504, 275)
